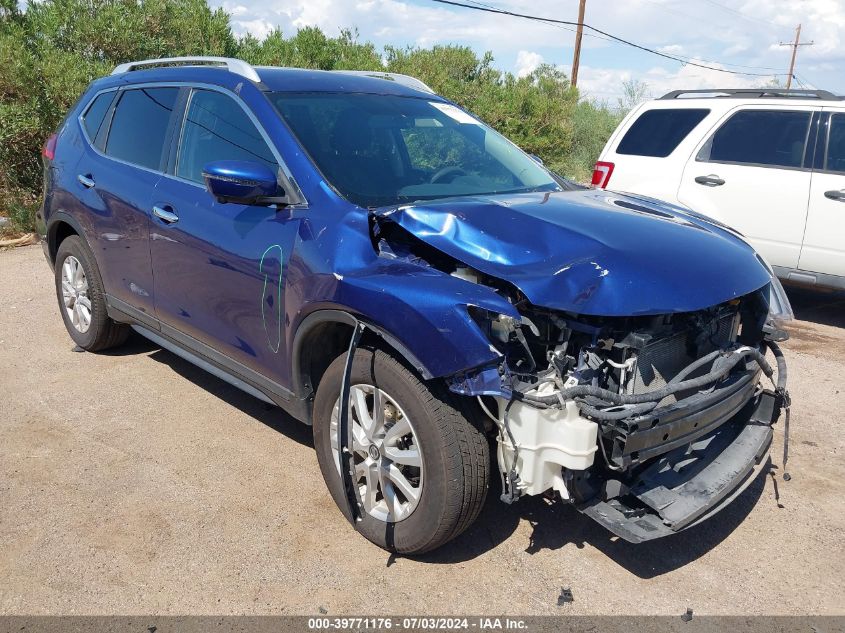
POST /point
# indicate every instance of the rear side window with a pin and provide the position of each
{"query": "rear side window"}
(770, 138)
(139, 125)
(217, 128)
(658, 132)
(836, 144)
(93, 117)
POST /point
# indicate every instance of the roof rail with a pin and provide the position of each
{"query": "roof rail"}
(756, 93)
(405, 80)
(237, 66)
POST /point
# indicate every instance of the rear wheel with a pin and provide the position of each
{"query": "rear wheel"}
(421, 467)
(82, 299)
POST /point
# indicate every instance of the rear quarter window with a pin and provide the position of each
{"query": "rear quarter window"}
(658, 132)
(93, 118)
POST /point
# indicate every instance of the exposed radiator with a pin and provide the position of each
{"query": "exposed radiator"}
(658, 362)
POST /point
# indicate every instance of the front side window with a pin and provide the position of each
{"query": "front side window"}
(139, 125)
(380, 150)
(836, 144)
(772, 138)
(217, 128)
(658, 132)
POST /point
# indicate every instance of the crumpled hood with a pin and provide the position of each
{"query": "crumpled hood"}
(590, 251)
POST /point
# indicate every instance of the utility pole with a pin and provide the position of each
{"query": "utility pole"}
(576, 58)
(794, 46)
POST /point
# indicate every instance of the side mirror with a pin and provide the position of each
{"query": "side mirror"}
(243, 182)
(537, 158)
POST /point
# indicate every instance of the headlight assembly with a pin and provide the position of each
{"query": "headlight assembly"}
(780, 310)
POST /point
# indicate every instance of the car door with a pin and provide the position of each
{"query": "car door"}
(220, 268)
(752, 173)
(125, 135)
(824, 238)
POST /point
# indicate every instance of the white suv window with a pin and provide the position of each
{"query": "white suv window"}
(658, 132)
(769, 138)
(835, 160)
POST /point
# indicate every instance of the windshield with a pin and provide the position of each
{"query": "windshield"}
(380, 150)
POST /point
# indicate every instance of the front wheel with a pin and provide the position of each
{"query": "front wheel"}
(421, 466)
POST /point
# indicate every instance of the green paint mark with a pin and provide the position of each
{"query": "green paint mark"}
(278, 343)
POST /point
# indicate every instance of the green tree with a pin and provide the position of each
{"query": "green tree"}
(54, 48)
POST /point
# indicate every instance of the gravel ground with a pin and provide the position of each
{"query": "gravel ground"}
(133, 483)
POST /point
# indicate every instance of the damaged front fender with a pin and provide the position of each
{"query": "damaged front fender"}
(428, 311)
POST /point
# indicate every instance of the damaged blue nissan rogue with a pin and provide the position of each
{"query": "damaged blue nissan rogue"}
(445, 311)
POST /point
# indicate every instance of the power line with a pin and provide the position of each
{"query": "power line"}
(671, 9)
(800, 83)
(805, 84)
(741, 14)
(559, 26)
(488, 9)
(607, 39)
(698, 19)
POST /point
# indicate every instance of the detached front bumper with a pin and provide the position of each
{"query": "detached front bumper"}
(688, 484)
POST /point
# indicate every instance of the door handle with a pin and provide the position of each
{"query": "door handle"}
(165, 214)
(710, 181)
(839, 196)
(86, 180)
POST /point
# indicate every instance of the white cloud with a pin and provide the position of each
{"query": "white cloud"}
(527, 62)
(738, 35)
(605, 83)
(234, 9)
(258, 28)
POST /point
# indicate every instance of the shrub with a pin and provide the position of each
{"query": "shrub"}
(56, 47)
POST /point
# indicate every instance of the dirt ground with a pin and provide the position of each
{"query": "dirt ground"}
(134, 483)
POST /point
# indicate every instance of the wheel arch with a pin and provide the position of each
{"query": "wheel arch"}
(61, 226)
(324, 335)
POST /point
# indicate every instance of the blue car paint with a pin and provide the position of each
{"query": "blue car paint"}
(240, 180)
(590, 252)
(211, 270)
(108, 213)
(215, 273)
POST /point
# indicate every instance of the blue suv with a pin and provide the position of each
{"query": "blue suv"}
(379, 263)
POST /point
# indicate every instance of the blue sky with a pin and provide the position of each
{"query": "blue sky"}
(735, 34)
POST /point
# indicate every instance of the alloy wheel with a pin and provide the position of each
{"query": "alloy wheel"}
(386, 453)
(75, 294)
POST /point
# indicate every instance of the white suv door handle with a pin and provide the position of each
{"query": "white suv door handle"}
(710, 181)
(166, 215)
(839, 196)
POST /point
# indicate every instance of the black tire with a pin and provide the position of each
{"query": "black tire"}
(455, 453)
(102, 333)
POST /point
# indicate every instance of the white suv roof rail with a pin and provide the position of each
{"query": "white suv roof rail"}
(237, 66)
(753, 93)
(405, 80)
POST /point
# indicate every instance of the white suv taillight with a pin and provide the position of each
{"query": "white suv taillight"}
(601, 174)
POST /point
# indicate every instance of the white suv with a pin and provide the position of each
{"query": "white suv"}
(770, 163)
